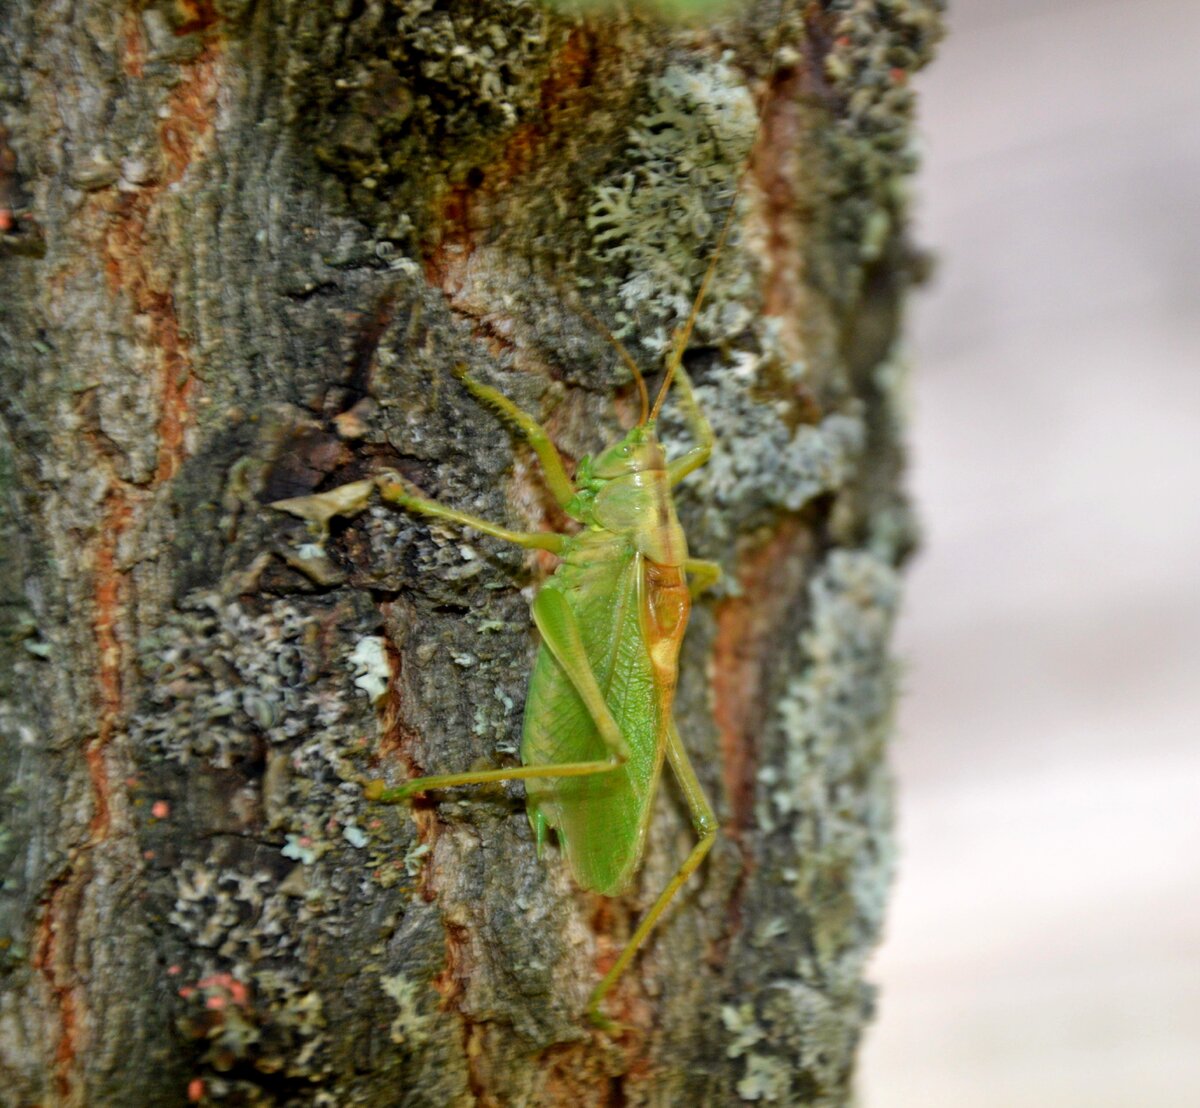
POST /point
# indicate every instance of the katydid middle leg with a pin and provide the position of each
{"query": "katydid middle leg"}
(704, 821)
(552, 465)
(702, 574)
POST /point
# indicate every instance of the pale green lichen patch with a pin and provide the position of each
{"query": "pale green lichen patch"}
(743, 1027)
(409, 1026)
(653, 223)
(767, 1079)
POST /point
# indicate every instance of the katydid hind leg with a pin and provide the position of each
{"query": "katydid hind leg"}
(378, 792)
(704, 821)
(561, 634)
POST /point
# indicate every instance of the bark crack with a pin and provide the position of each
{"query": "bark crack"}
(127, 256)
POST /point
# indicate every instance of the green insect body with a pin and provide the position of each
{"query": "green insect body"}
(634, 603)
(598, 714)
(623, 599)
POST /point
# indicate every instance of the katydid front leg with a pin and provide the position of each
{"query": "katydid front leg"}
(396, 493)
(699, 426)
(552, 464)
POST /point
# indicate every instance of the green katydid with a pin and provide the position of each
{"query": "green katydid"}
(598, 715)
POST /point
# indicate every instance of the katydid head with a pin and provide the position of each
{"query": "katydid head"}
(637, 452)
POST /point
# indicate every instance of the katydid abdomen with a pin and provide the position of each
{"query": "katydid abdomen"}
(621, 598)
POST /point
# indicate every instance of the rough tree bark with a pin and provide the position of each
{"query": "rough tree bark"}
(243, 245)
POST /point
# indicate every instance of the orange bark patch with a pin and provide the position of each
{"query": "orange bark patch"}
(475, 1049)
(176, 389)
(781, 129)
(783, 287)
(449, 986)
(108, 604)
(449, 983)
(133, 54)
(126, 255)
(447, 257)
(582, 1074)
(396, 739)
(54, 956)
(568, 72)
(446, 260)
(771, 576)
(189, 116)
(201, 15)
(48, 957)
(609, 917)
(185, 125)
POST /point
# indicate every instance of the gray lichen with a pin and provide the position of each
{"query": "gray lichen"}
(835, 711)
(227, 683)
(219, 675)
(824, 805)
(761, 462)
(652, 223)
(875, 49)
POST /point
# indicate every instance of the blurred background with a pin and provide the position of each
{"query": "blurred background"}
(1043, 947)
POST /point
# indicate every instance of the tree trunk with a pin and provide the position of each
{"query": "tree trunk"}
(244, 245)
